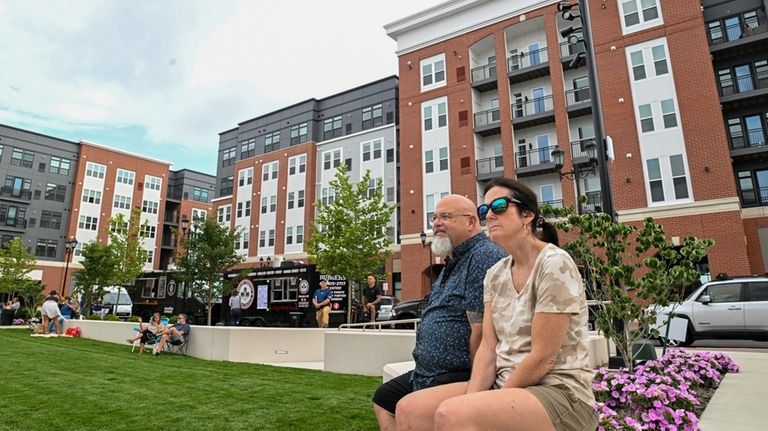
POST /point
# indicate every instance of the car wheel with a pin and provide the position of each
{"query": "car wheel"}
(689, 338)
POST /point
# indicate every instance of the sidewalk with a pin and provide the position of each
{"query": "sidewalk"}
(739, 403)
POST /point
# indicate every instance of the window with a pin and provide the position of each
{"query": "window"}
(299, 134)
(332, 128)
(443, 158)
(429, 206)
(297, 164)
(291, 197)
(654, 179)
(660, 60)
(245, 177)
(1, 152)
(300, 199)
(50, 219)
(327, 195)
(299, 234)
(199, 194)
(95, 170)
(248, 148)
(228, 156)
(244, 209)
(122, 202)
(91, 196)
(18, 187)
(272, 141)
(373, 116)
(152, 182)
(432, 72)
(372, 150)
(149, 207)
(118, 227)
(46, 248)
(727, 292)
(11, 215)
(442, 115)
(198, 214)
(429, 162)
(87, 223)
(269, 171)
(59, 166)
(372, 186)
(757, 291)
(125, 177)
(637, 12)
(289, 235)
(227, 184)
(679, 179)
(638, 65)
(331, 159)
(646, 118)
(264, 205)
(668, 113)
(22, 158)
(271, 238)
(225, 214)
(246, 239)
(148, 231)
(272, 204)
(55, 192)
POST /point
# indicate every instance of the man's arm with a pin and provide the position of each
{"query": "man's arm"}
(476, 336)
(378, 297)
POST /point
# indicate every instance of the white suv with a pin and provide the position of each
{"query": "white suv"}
(724, 308)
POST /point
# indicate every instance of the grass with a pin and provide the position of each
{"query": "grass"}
(80, 384)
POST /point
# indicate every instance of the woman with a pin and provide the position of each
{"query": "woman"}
(147, 332)
(50, 310)
(533, 352)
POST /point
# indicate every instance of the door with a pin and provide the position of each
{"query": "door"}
(495, 110)
(522, 154)
(514, 60)
(547, 194)
(755, 134)
(534, 56)
(498, 158)
(542, 144)
(756, 307)
(581, 89)
(762, 186)
(538, 100)
(519, 109)
(591, 187)
(733, 28)
(724, 313)
(744, 78)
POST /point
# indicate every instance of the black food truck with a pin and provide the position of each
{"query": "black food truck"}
(282, 296)
(164, 293)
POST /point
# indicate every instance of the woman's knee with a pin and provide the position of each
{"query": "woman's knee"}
(451, 415)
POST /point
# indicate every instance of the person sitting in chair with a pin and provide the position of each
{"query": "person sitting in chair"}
(176, 333)
(147, 331)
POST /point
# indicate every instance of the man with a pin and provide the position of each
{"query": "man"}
(451, 325)
(371, 296)
(176, 332)
(322, 302)
(234, 308)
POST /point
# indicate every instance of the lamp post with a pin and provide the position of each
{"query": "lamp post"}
(69, 248)
(588, 56)
(576, 174)
(428, 244)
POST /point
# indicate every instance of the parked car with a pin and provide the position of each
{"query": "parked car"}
(727, 307)
(385, 307)
(411, 309)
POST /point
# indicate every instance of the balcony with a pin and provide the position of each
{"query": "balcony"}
(557, 203)
(535, 161)
(528, 65)
(568, 51)
(594, 203)
(7, 192)
(169, 241)
(490, 167)
(534, 112)
(484, 78)
(754, 198)
(488, 122)
(13, 223)
(580, 151)
(737, 38)
(753, 145)
(734, 92)
(578, 102)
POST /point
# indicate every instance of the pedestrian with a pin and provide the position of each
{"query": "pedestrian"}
(234, 308)
(371, 297)
(322, 302)
(50, 310)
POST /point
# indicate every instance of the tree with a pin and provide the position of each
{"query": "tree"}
(206, 254)
(126, 240)
(350, 233)
(98, 272)
(16, 263)
(617, 259)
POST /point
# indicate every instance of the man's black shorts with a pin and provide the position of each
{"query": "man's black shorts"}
(391, 392)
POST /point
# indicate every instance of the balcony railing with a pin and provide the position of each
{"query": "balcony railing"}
(524, 60)
(755, 138)
(487, 118)
(19, 194)
(556, 203)
(749, 27)
(568, 49)
(534, 157)
(577, 96)
(484, 72)
(169, 240)
(490, 165)
(579, 148)
(754, 197)
(13, 222)
(594, 203)
(527, 108)
(744, 83)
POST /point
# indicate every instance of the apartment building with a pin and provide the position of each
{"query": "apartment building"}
(56, 190)
(272, 169)
(492, 89)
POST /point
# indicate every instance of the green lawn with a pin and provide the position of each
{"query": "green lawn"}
(78, 384)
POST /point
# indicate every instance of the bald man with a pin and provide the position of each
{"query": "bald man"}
(451, 325)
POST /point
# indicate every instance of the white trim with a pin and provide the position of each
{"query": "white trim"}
(681, 210)
(756, 212)
(104, 147)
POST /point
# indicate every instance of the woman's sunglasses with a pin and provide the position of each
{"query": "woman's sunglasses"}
(498, 206)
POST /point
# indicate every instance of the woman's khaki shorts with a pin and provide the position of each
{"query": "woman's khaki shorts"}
(567, 412)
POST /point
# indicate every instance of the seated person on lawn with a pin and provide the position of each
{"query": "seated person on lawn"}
(176, 333)
(147, 331)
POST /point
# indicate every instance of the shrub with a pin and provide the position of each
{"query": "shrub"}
(112, 318)
(173, 319)
(94, 316)
(133, 319)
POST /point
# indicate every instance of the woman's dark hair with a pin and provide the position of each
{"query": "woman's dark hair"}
(543, 229)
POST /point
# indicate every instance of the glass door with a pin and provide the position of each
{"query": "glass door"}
(538, 100)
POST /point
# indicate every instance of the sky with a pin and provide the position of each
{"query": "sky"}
(163, 78)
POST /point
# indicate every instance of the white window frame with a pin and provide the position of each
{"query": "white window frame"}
(434, 68)
(642, 24)
(95, 170)
(125, 176)
(152, 182)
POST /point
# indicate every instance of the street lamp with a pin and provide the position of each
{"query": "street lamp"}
(69, 248)
(588, 56)
(428, 244)
(577, 173)
(184, 225)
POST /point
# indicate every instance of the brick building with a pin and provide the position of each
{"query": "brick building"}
(490, 89)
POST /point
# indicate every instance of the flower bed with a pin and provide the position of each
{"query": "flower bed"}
(666, 394)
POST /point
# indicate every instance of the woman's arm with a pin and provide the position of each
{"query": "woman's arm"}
(484, 364)
(548, 331)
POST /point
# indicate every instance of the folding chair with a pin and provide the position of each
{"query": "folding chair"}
(150, 342)
(179, 346)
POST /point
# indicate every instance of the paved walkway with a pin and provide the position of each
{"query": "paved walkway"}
(740, 402)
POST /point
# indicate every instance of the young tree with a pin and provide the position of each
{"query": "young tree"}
(126, 241)
(617, 259)
(206, 254)
(98, 272)
(16, 262)
(350, 234)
